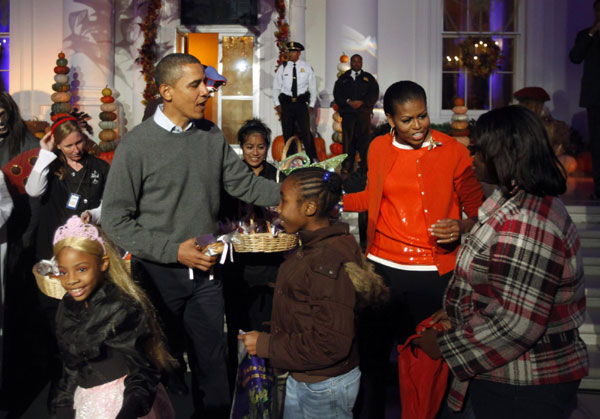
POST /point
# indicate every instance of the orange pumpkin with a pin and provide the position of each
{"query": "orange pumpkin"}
(344, 58)
(61, 55)
(61, 69)
(459, 101)
(107, 99)
(58, 116)
(107, 156)
(277, 148)
(335, 107)
(336, 149)
(320, 146)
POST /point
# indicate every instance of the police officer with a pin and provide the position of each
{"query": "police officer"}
(356, 92)
(294, 91)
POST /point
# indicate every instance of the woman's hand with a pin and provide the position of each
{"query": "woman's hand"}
(428, 344)
(449, 230)
(446, 230)
(249, 340)
(86, 217)
(47, 141)
(442, 318)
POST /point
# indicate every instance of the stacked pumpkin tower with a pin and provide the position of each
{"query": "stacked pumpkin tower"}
(459, 125)
(61, 97)
(108, 124)
(337, 147)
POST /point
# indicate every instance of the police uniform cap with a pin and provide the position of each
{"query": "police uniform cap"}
(295, 46)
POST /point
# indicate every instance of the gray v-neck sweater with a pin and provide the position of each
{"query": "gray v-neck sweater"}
(164, 188)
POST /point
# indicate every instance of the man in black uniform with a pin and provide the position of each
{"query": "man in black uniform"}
(294, 92)
(587, 50)
(355, 93)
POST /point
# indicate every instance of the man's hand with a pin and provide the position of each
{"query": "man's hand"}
(355, 104)
(191, 257)
(249, 340)
(278, 110)
(86, 217)
(47, 142)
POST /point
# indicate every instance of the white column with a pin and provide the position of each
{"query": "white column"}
(351, 28)
(297, 18)
(88, 43)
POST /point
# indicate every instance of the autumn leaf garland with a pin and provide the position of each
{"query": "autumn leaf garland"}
(148, 51)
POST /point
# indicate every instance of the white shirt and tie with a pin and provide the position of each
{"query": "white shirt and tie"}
(305, 78)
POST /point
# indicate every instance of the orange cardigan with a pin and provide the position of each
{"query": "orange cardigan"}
(448, 185)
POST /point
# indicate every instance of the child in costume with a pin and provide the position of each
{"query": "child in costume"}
(107, 333)
(312, 328)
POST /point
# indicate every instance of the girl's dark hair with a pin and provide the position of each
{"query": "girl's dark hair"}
(254, 126)
(515, 148)
(17, 129)
(400, 92)
(317, 183)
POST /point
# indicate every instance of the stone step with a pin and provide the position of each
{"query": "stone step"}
(584, 214)
(592, 290)
(590, 329)
(592, 381)
(589, 234)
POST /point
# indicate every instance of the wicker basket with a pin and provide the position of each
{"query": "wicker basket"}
(49, 286)
(264, 242)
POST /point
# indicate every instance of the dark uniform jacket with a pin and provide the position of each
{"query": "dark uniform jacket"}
(587, 50)
(312, 327)
(364, 88)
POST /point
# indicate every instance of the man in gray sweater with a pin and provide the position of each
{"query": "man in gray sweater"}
(163, 190)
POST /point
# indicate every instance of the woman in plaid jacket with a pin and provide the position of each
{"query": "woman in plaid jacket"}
(517, 295)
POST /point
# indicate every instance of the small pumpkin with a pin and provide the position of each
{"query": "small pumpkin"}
(61, 55)
(459, 101)
(336, 148)
(108, 116)
(459, 109)
(61, 107)
(61, 97)
(107, 135)
(337, 137)
(106, 91)
(107, 125)
(337, 127)
(61, 78)
(337, 117)
(61, 87)
(335, 107)
(108, 107)
(344, 58)
(107, 99)
(62, 62)
(320, 147)
(61, 69)
(277, 148)
(459, 124)
(57, 116)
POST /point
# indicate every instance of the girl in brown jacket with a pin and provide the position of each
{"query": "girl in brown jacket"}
(312, 329)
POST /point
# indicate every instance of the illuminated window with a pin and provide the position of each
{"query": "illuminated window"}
(4, 44)
(475, 33)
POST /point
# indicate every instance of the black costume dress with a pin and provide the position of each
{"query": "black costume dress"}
(100, 343)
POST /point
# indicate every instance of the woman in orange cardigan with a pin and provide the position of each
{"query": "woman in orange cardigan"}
(420, 182)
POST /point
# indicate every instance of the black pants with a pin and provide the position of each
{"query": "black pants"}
(491, 400)
(199, 305)
(414, 296)
(295, 118)
(593, 115)
(356, 132)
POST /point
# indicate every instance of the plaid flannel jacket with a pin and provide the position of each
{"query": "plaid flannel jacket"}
(516, 298)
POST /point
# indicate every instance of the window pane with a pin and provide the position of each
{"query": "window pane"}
(4, 16)
(453, 86)
(455, 15)
(3, 81)
(479, 15)
(502, 89)
(4, 52)
(507, 50)
(478, 96)
(234, 114)
(238, 52)
(502, 16)
(451, 53)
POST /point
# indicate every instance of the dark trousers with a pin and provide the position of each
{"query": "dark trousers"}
(295, 118)
(199, 306)
(593, 115)
(356, 133)
(492, 400)
(414, 296)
